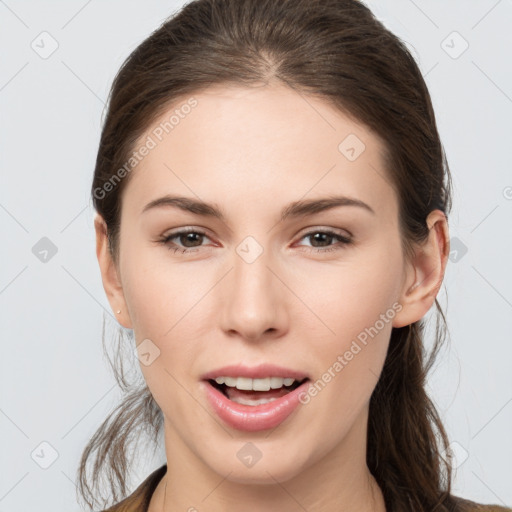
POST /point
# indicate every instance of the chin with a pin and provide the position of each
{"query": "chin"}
(275, 462)
(260, 474)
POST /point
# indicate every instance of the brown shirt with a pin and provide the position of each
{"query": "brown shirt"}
(139, 500)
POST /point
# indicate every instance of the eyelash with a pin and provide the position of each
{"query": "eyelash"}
(344, 241)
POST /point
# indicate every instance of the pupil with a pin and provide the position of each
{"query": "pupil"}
(189, 237)
(319, 236)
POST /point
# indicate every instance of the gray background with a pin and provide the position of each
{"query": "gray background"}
(56, 386)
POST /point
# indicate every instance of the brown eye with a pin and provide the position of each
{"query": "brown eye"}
(188, 240)
(323, 238)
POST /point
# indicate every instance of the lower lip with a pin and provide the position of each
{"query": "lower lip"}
(252, 418)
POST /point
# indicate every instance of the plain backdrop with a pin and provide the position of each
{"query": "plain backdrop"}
(58, 60)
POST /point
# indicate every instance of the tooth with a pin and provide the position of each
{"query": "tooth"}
(246, 401)
(276, 382)
(248, 384)
(244, 383)
(261, 384)
(230, 381)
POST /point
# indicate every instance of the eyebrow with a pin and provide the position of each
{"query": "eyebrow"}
(296, 209)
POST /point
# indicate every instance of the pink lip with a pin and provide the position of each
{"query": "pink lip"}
(257, 372)
(258, 417)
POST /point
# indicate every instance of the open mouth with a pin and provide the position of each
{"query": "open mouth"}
(247, 391)
(254, 404)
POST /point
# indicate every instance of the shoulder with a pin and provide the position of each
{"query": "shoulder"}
(139, 500)
(463, 505)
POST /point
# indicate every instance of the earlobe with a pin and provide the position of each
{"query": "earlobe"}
(425, 272)
(109, 274)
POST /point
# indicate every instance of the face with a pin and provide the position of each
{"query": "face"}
(265, 288)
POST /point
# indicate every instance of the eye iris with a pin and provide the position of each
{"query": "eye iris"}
(189, 237)
(321, 237)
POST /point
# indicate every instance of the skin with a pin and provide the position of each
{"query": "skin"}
(252, 151)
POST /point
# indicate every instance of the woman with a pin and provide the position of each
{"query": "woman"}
(272, 201)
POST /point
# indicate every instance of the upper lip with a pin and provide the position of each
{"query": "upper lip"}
(255, 372)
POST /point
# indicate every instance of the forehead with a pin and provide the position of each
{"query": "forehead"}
(244, 144)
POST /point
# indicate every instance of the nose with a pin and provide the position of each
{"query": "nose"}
(253, 300)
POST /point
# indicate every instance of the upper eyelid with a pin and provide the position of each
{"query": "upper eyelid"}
(338, 231)
(186, 229)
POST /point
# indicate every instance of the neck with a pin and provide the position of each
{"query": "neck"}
(339, 481)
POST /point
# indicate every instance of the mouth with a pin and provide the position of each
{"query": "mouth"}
(254, 399)
(253, 392)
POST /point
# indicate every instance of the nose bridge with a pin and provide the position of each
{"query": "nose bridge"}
(254, 304)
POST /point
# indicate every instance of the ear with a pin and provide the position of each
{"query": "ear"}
(110, 274)
(425, 273)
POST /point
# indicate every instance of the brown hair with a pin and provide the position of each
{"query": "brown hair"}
(338, 51)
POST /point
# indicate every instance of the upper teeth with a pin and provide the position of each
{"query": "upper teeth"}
(248, 384)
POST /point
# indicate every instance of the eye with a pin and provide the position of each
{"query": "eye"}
(191, 240)
(324, 237)
(186, 236)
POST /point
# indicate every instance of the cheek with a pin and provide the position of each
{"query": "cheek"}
(359, 309)
(348, 366)
(159, 291)
(163, 304)
(354, 295)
